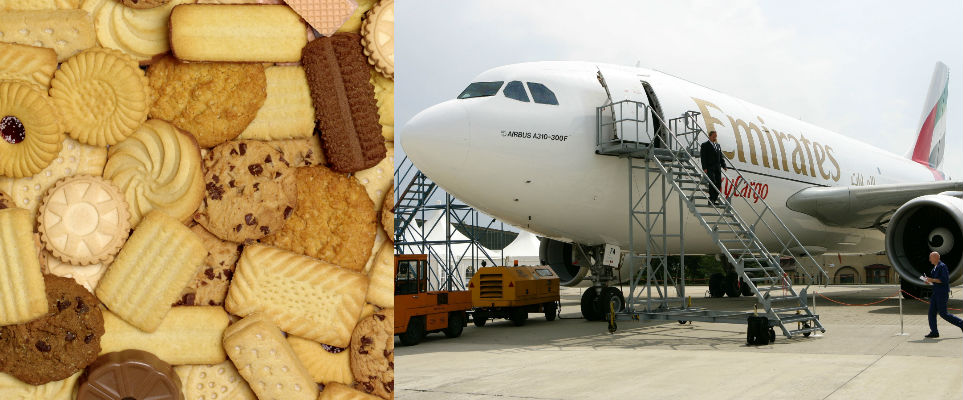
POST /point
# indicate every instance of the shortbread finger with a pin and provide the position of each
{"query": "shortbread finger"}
(187, 335)
(265, 360)
(22, 291)
(244, 32)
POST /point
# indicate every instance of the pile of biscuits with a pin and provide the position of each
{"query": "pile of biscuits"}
(195, 199)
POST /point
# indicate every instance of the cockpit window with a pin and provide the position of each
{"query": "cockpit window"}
(542, 94)
(515, 90)
(481, 89)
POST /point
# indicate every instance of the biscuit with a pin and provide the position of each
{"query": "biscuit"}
(265, 360)
(353, 24)
(6, 201)
(300, 152)
(68, 32)
(129, 375)
(145, 3)
(74, 159)
(157, 168)
(373, 354)
(84, 220)
(287, 111)
(344, 102)
(86, 275)
(209, 286)
(325, 363)
(218, 381)
(378, 179)
(57, 345)
(337, 391)
(139, 33)
(31, 132)
(378, 37)
(250, 33)
(13, 389)
(150, 271)
(231, 94)
(368, 310)
(187, 335)
(22, 296)
(381, 290)
(384, 90)
(306, 297)
(250, 191)
(27, 63)
(39, 4)
(326, 16)
(102, 95)
(388, 213)
(334, 219)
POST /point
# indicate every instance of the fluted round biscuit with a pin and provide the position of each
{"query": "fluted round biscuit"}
(157, 168)
(384, 90)
(388, 214)
(86, 275)
(378, 37)
(83, 220)
(102, 95)
(30, 130)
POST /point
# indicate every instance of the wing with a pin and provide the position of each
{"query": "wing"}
(863, 206)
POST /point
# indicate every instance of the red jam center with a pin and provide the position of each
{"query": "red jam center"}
(11, 129)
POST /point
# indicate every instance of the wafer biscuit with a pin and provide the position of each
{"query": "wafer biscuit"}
(325, 363)
(265, 360)
(381, 291)
(218, 381)
(344, 103)
(378, 37)
(150, 271)
(68, 32)
(337, 391)
(21, 283)
(261, 33)
(187, 335)
(306, 297)
(13, 389)
(31, 131)
(287, 111)
(27, 63)
(326, 16)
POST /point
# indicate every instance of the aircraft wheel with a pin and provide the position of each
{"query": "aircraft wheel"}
(415, 332)
(612, 298)
(589, 305)
(480, 317)
(717, 287)
(732, 284)
(745, 288)
(456, 324)
(518, 315)
(806, 325)
(551, 310)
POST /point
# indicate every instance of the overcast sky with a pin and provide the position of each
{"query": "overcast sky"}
(859, 68)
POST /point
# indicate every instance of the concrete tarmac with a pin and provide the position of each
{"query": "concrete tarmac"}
(861, 356)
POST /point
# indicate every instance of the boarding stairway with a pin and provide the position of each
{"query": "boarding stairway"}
(669, 151)
(418, 189)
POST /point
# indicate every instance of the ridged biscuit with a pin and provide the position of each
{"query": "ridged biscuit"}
(21, 283)
(187, 335)
(325, 363)
(287, 112)
(102, 95)
(337, 391)
(378, 37)
(27, 63)
(334, 220)
(211, 382)
(243, 32)
(157, 168)
(84, 220)
(39, 4)
(304, 296)
(68, 32)
(74, 159)
(140, 33)
(13, 389)
(384, 90)
(326, 16)
(381, 290)
(31, 131)
(150, 271)
(209, 286)
(265, 360)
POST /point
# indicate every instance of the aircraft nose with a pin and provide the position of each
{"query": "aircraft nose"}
(438, 138)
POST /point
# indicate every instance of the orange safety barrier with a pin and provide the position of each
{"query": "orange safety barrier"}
(924, 301)
(858, 305)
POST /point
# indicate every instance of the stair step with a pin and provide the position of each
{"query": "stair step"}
(795, 332)
(759, 269)
(783, 298)
(765, 278)
(788, 309)
(801, 318)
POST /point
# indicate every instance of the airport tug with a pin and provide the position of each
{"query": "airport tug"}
(419, 311)
(513, 292)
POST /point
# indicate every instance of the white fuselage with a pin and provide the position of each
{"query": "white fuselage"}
(534, 165)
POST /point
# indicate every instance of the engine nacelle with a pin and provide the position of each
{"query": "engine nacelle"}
(924, 225)
(569, 267)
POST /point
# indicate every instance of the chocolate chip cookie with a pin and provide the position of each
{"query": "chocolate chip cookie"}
(6, 201)
(250, 191)
(373, 354)
(55, 346)
(209, 286)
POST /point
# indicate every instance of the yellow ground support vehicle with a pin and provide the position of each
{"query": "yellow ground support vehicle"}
(513, 292)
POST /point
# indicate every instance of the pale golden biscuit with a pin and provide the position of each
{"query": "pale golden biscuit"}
(325, 363)
(378, 179)
(150, 271)
(209, 286)
(102, 95)
(218, 381)
(368, 310)
(384, 90)
(300, 152)
(68, 32)
(326, 16)
(378, 37)
(265, 360)
(39, 4)
(373, 354)
(381, 290)
(140, 33)
(337, 391)
(334, 221)
(380, 239)
(187, 335)
(84, 220)
(251, 33)
(6, 201)
(353, 24)
(144, 3)
(13, 389)
(287, 111)
(157, 168)
(27, 63)
(31, 131)
(305, 296)
(86, 275)
(22, 295)
(74, 159)
(231, 94)
(388, 214)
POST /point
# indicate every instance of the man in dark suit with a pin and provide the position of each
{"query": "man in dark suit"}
(940, 279)
(713, 161)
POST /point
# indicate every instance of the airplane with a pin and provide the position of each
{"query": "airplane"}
(519, 144)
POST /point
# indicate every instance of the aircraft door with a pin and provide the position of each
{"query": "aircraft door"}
(628, 121)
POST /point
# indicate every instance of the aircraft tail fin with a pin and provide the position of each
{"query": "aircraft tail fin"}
(931, 138)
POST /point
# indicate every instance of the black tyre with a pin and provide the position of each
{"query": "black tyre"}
(518, 315)
(745, 288)
(480, 317)
(551, 310)
(772, 335)
(717, 286)
(589, 305)
(612, 298)
(456, 324)
(732, 284)
(415, 332)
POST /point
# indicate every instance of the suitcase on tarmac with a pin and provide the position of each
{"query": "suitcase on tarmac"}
(757, 333)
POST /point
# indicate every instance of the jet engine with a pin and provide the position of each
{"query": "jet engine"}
(569, 267)
(921, 226)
